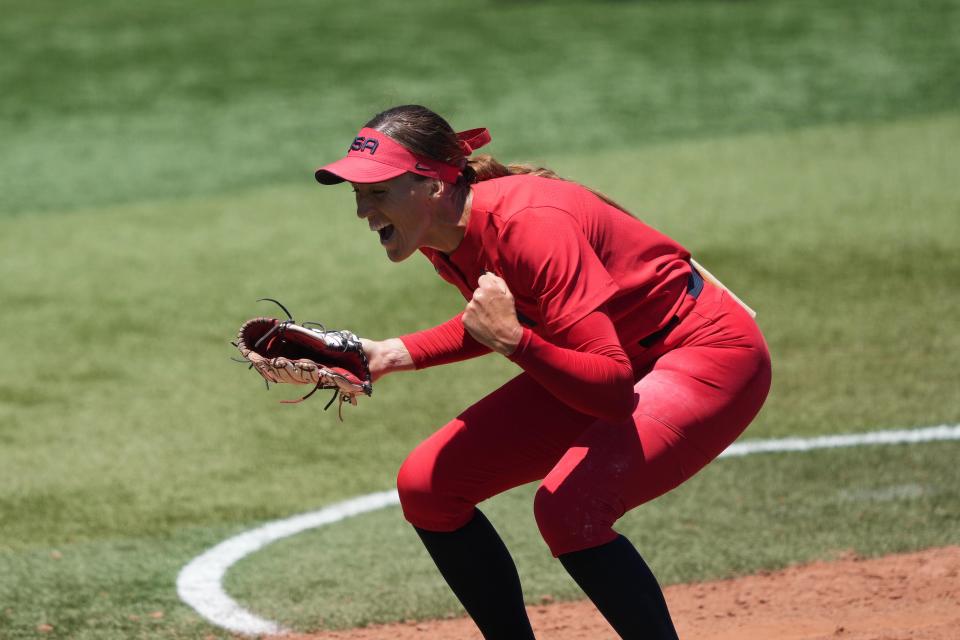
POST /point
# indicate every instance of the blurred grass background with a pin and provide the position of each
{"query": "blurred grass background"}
(155, 179)
(115, 101)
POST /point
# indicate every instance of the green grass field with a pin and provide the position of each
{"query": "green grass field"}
(155, 159)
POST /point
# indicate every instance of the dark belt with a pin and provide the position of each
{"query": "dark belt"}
(694, 287)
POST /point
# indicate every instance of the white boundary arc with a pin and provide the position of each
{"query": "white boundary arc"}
(200, 582)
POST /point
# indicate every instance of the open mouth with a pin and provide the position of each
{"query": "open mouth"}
(386, 233)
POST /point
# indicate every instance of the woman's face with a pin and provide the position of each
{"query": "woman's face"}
(400, 211)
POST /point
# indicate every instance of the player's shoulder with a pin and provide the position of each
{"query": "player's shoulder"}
(525, 215)
(525, 195)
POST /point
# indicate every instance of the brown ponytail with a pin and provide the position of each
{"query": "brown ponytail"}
(426, 133)
(486, 167)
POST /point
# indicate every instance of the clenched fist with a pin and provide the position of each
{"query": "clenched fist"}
(491, 316)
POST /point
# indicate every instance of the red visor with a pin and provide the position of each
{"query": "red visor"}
(374, 157)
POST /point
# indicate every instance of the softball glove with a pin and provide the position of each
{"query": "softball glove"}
(284, 351)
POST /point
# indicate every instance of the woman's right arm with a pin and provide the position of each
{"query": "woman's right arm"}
(386, 356)
(443, 344)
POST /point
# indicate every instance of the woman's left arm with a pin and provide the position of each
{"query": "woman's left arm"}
(590, 372)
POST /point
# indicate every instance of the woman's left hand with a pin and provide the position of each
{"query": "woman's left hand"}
(491, 316)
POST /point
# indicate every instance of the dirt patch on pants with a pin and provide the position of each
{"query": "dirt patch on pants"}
(913, 596)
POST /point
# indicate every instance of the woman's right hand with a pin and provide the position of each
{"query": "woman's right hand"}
(386, 356)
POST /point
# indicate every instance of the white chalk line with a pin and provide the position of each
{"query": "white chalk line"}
(200, 582)
(896, 436)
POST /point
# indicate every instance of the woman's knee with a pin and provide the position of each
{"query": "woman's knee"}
(428, 496)
(415, 488)
(571, 521)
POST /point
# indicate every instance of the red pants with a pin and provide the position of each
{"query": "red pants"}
(696, 391)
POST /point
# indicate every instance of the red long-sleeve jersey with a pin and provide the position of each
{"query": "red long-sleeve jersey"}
(588, 279)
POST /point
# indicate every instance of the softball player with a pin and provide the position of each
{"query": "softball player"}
(636, 372)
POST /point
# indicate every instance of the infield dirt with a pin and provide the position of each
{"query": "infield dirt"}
(913, 596)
